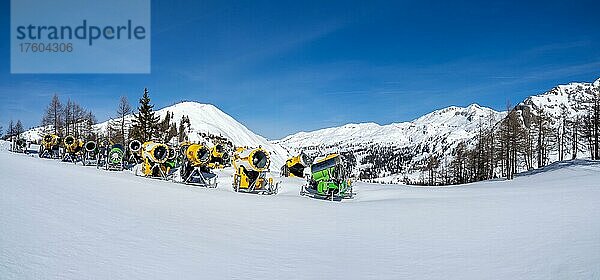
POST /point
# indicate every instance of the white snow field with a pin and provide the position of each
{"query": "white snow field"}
(65, 221)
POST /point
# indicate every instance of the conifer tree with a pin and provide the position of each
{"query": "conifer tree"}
(145, 122)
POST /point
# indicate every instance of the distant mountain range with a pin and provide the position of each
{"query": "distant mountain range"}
(388, 152)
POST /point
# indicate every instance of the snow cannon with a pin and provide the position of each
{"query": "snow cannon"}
(102, 147)
(218, 157)
(72, 149)
(90, 156)
(49, 147)
(328, 179)
(135, 155)
(251, 169)
(49, 141)
(154, 157)
(114, 159)
(155, 152)
(90, 146)
(294, 166)
(195, 169)
(19, 146)
(135, 145)
(72, 145)
(198, 155)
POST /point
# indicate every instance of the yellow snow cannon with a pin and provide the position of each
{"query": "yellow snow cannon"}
(198, 155)
(194, 166)
(49, 140)
(294, 166)
(218, 157)
(72, 149)
(154, 155)
(251, 167)
(49, 147)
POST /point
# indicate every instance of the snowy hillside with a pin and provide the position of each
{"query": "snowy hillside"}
(65, 221)
(450, 123)
(563, 99)
(435, 133)
(398, 151)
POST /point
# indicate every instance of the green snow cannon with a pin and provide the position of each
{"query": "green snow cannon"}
(328, 179)
(115, 157)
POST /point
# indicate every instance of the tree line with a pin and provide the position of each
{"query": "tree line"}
(127, 124)
(528, 137)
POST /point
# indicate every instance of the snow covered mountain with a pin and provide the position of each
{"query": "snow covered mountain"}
(563, 100)
(398, 150)
(401, 144)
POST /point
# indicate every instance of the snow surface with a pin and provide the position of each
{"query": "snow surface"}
(65, 221)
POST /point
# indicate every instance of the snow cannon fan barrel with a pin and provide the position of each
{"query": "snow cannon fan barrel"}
(90, 146)
(71, 144)
(327, 168)
(256, 159)
(116, 153)
(198, 154)
(49, 140)
(155, 152)
(295, 166)
(135, 146)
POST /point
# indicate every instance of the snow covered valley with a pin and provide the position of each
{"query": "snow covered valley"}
(60, 221)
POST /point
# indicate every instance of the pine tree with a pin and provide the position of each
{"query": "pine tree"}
(10, 132)
(184, 128)
(18, 129)
(145, 121)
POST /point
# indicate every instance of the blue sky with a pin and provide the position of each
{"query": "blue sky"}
(285, 66)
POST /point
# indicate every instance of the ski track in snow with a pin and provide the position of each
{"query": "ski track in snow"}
(61, 221)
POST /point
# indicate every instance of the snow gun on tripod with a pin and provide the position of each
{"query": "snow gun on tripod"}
(72, 149)
(135, 152)
(251, 169)
(90, 153)
(328, 179)
(154, 157)
(114, 157)
(195, 168)
(19, 146)
(294, 166)
(218, 157)
(49, 147)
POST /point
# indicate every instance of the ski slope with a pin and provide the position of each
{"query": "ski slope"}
(65, 221)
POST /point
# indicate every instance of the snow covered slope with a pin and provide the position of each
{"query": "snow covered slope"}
(65, 221)
(435, 133)
(563, 99)
(450, 123)
(381, 149)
